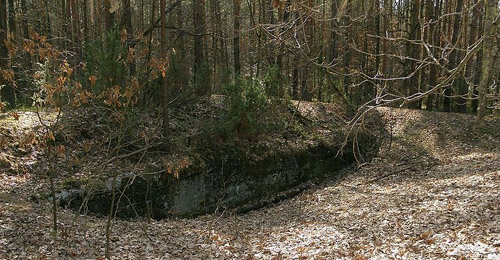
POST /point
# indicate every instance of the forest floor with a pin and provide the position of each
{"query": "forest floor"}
(432, 192)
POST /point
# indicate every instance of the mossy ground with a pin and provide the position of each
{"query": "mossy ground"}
(196, 143)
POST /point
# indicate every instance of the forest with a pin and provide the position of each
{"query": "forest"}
(254, 129)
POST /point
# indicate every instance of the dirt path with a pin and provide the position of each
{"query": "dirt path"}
(433, 192)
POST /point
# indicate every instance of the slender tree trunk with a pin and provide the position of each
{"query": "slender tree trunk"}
(3, 33)
(415, 32)
(216, 29)
(163, 51)
(26, 57)
(295, 78)
(454, 58)
(377, 32)
(109, 15)
(489, 40)
(99, 17)
(91, 18)
(12, 18)
(333, 32)
(434, 34)
(7, 91)
(431, 37)
(64, 25)
(347, 62)
(256, 58)
(24, 20)
(283, 14)
(12, 39)
(386, 60)
(69, 22)
(48, 26)
(182, 53)
(126, 24)
(76, 27)
(85, 20)
(306, 84)
(150, 41)
(472, 73)
(200, 79)
(236, 38)
(269, 13)
(461, 85)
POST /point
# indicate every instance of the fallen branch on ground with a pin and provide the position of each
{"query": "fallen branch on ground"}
(389, 174)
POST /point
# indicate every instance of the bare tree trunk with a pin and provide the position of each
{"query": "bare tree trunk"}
(76, 27)
(454, 57)
(461, 85)
(283, 14)
(347, 62)
(141, 15)
(163, 51)
(200, 80)
(64, 25)
(109, 15)
(85, 20)
(306, 85)
(489, 40)
(182, 53)
(24, 20)
(69, 24)
(7, 92)
(377, 32)
(99, 25)
(295, 77)
(216, 30)
(333, 32)
(12, 18)
(26, 57)
(46, 17)
(3, 32)
(472, 71)
(414, 49)
(12, 37)
(347, 53)
(386, 66)
(269, 14)
(126, 24)
(434, 34)
(236, 38)
(91, 16)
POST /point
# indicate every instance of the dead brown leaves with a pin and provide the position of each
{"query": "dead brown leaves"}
(446, 206)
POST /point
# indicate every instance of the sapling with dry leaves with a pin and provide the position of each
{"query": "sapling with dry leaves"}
(53, 81)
